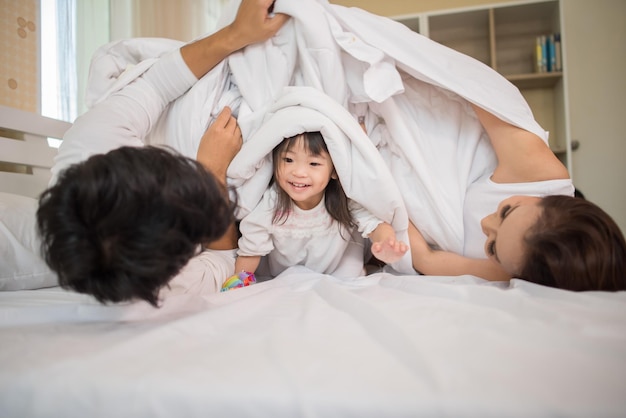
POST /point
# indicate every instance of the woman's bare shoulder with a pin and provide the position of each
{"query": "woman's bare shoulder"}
(522, 155)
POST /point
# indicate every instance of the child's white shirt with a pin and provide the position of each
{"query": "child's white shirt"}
(311, 238)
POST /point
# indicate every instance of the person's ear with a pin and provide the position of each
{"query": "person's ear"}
(334, 175)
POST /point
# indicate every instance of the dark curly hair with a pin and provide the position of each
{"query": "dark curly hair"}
(575, 245)
(120, 225)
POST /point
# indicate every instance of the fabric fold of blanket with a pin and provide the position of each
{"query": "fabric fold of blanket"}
(361, 169)
(413, 94)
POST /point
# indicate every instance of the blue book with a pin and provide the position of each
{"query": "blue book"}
(551, 53)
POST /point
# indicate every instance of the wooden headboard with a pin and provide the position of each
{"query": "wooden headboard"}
(25, 155)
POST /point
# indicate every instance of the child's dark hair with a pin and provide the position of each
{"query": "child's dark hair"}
(336, 200)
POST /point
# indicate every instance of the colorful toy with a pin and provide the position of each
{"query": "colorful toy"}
(242, 279)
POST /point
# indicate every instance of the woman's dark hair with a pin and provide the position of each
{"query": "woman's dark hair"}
(575, 245)
(120, 225)
(335, 198)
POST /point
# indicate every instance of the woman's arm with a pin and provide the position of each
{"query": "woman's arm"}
(522, 155)
(444, 263)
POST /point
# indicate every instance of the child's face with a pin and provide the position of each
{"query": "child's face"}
(304, 176)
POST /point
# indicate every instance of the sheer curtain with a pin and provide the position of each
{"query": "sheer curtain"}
(71, 32)
(183, 20)
(58, 73)
(66, 47)
(93, 29)
(82, 26)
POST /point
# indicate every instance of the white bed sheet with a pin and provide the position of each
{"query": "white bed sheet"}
(310, 345)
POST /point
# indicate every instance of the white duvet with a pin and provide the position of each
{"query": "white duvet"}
(413, 94)
(306, 344)
(309, 345)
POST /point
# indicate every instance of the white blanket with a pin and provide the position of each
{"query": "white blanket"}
(309, 345)
(413, 93)
(360, 167)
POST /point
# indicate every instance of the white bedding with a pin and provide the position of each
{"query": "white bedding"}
(362, 171)
(305, 344)
(413, 93)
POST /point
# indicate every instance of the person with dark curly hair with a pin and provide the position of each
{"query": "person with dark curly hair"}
(116, 235)
(122, 218)
(544, 234)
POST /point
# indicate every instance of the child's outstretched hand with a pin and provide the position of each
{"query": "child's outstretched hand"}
(389, 250)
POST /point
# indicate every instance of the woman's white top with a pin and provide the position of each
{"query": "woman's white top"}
(483, 197)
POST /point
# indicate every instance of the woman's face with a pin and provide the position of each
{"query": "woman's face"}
(506, 228)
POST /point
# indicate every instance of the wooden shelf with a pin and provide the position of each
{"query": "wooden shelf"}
(535, 80)
(504, 36)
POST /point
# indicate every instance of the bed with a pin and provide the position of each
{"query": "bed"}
(301, 345)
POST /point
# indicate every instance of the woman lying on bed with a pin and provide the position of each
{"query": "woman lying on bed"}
(557, 240)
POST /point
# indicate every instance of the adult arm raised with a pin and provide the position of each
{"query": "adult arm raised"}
(251, 25)
(522, 156)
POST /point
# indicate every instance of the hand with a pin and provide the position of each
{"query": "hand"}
(254, 24)
(219, 144)
(389, 250)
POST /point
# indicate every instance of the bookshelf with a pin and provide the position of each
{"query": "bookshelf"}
(504, 36)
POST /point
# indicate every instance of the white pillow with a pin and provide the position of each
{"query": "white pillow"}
(21, 264)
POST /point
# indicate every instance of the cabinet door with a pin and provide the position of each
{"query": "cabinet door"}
(595, 59)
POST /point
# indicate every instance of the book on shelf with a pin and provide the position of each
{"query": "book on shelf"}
(548, 53)
(557, 53)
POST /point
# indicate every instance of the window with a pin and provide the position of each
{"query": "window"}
(58, 59)
(71, 31)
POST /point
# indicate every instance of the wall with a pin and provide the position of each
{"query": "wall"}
(183, 20)
(395, 8)
(19, 55)
(597, 99)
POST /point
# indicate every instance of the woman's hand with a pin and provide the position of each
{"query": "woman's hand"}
(219, 144)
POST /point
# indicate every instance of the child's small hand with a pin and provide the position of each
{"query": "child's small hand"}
(242, 279)
(389, 250)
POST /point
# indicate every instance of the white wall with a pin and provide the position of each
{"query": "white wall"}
(596, 77)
